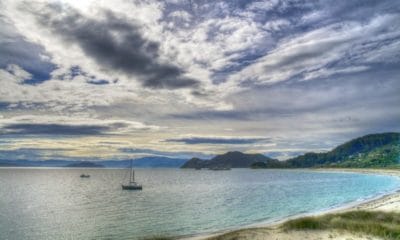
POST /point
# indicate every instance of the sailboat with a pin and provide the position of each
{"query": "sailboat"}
(132, 185)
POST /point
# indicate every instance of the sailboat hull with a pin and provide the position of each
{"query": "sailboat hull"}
(132, 187)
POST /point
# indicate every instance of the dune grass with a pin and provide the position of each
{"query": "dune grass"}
(158, 238)
(380, 224)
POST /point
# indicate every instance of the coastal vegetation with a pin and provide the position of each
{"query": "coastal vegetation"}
(381, 224)
(385, 225)
(158, 238)
(370, 151)
(374, 150)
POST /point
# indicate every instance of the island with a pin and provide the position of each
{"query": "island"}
(233, 159)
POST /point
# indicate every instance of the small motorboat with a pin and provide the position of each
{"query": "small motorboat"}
(85, 176)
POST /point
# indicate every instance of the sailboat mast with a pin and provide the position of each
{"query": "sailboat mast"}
(132, 185)
(131, 175)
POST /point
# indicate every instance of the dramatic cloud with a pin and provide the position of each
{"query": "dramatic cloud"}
(15, 50)
(115, 43)
(54, 129)
(123, 79)
(334, 49)
(64, 126)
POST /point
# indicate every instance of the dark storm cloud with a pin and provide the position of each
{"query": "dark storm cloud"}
(115, 43)
(207, 140)
(53, 129)
(14, 49)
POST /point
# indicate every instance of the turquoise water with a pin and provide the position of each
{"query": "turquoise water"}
(57, 204)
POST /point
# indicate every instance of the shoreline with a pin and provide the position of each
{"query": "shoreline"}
(387, 201)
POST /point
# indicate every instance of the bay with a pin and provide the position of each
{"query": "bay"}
(55, 203)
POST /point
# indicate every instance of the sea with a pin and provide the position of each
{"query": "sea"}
(55, 203)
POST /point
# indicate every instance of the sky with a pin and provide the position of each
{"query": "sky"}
(96, 80)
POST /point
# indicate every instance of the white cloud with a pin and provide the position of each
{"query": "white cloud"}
(15, 73)
(313, 17)
(182, 15)
(325, 72)
(276, 25)
(263, 5)
(313, 50)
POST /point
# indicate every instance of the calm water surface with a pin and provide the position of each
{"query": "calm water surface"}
(58, 204)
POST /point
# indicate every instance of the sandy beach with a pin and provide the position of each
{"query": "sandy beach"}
(387, 203)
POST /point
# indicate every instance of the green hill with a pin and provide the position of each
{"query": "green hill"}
(385, 156)
(231, 160)
(374, 150)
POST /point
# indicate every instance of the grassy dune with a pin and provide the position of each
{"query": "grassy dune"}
(380, 224)
(158, 238)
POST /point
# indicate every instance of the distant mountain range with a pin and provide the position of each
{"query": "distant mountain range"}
(85, 165)
(374, 150)
(145, 162)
